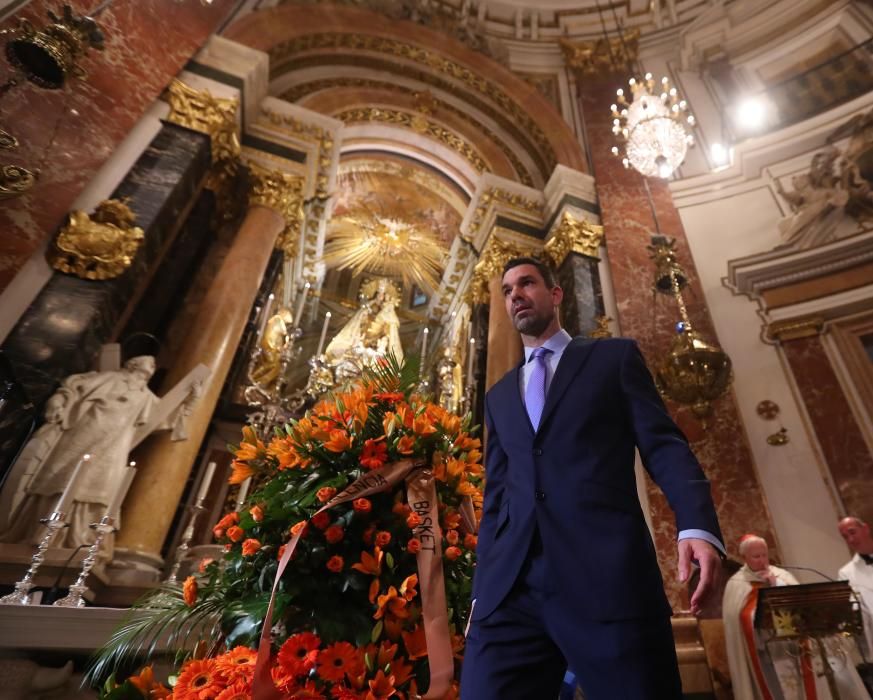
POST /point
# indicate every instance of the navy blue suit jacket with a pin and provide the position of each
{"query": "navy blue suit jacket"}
(574, 480)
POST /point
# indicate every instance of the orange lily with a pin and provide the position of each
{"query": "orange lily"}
(406, 444)
(339, 441)
(392, 604)
(241, 472)
(415, 643)
(381, 687)
(370, 563)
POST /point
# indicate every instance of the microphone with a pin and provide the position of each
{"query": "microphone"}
(807, 568)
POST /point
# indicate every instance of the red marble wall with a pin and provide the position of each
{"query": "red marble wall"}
(68, 134)
(838, 433)
(722, 447)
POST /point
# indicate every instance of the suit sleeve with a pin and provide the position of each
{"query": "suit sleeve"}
(664, 450)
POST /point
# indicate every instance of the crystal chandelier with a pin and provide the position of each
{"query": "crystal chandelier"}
(652, 128)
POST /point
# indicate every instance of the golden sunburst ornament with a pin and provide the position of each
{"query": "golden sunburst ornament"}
(367, 240)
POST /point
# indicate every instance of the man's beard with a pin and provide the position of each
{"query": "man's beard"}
(532, 324)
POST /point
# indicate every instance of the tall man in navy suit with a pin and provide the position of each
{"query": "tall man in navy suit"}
(567, 573)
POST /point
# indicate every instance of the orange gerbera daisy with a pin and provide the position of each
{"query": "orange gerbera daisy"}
(374, 454)
(240, 690)
(299, 653)
(238, 663)
(309, 691)
(199, 680)
(339, 441)
(339, 659)
(189, 591)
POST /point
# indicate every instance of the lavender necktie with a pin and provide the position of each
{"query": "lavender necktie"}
(535, 393)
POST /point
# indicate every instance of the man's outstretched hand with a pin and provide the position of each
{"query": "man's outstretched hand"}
(707, 558)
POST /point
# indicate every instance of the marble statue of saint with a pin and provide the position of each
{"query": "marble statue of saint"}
(102, 414)
(818, 203)
(372, 332)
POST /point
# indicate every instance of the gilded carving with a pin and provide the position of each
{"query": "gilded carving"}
(494, 256)
(603, 56)
(283, 193)
(15, 180)
(98, 246)
(573, 235)
(794, 329)
(449, 70)
(602, 328)
(431, 104)
(496, 195)
(419, 124)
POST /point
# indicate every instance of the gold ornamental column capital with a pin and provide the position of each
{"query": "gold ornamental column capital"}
(573, 235)
(794, 328)
(490, 265)
(283, 193)
(201, 111)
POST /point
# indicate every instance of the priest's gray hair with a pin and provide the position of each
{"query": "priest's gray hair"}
(747, 540)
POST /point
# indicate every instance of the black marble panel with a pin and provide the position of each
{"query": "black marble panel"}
(583, 296)
(62, 330)
(17, 417)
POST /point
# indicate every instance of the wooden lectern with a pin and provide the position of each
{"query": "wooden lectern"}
(813, 612)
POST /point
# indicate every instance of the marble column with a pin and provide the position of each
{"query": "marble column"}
(628, 223)
(164, 465)
(504, 344)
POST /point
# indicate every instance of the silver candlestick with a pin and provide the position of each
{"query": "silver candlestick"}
(21, 595)
(74, 598)
(185, 544)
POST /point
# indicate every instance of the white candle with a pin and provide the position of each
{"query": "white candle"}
(298, 314)
(286, 284)
(205, 481)
(265, 316)
(118, 498)
(67, 496)
(243, 492)
(323, 333)
(470, 352)
(424, 345)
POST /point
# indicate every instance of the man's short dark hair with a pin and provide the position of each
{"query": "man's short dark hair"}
(542, 267)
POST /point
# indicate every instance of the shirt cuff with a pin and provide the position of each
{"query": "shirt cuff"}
(702, 535)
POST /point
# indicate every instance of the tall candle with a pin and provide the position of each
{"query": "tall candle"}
(118, 498)
(323, 333)
(298, 314)
(470, 352)
(67, 496)
(205, 482)
(243, 492)
(286, 284)
(265, 316)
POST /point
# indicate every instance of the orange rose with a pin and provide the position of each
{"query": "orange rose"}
(334, 534)
(325, 493)
(189, 591)
(452, 537)
(205, 562)
(470, 541)
(401, 509)
(335, 563)
(383, 538)
(281, 551)
(250, 546)
(257, 513)
(298, 527)
(362, 505)
(320, 520)
(413, 520)
(413, 546)
(235, 533)
(452, 553)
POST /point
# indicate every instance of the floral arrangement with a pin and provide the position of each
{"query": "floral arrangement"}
(348, 619)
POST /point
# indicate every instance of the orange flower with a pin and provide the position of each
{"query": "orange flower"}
(413, 520)
(370, 563)
(250, 447)
(189, 591)
(199, 680)
(241, 472)
(145, 683)
(309, 691)
(374, 454)
(392, 604)
(455, 467)
(325, 493)
(450, 423)
(465, 488)
(464, 442)
(381, 687)
(389, 396)
(285, 453)
(452, 537)
(452, 553)
(407, 588)
(250, 547)
(451, 520)
(416, 645)
(335, 563)
(239, 690)
(298, 527)
(383, 538)
(320, 520)
(224, 523)
(339, 441)
(204, 563)
(337, 660)
(334, 534)
(235, 533)
(401, 509)
(362, 505)
(280, 551)
(413, 546)
(237, 664)
(389, 422)
(257, 513)
(470, 541)
(406, 445)
(422, 425)
(299, 653)
(368, 535)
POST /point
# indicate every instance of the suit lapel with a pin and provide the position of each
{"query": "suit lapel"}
(571, 363)
(508, 393)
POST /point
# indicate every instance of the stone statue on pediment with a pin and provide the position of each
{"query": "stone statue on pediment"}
(102, 414)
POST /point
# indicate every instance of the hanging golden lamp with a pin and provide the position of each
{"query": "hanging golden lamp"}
(693, 373)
